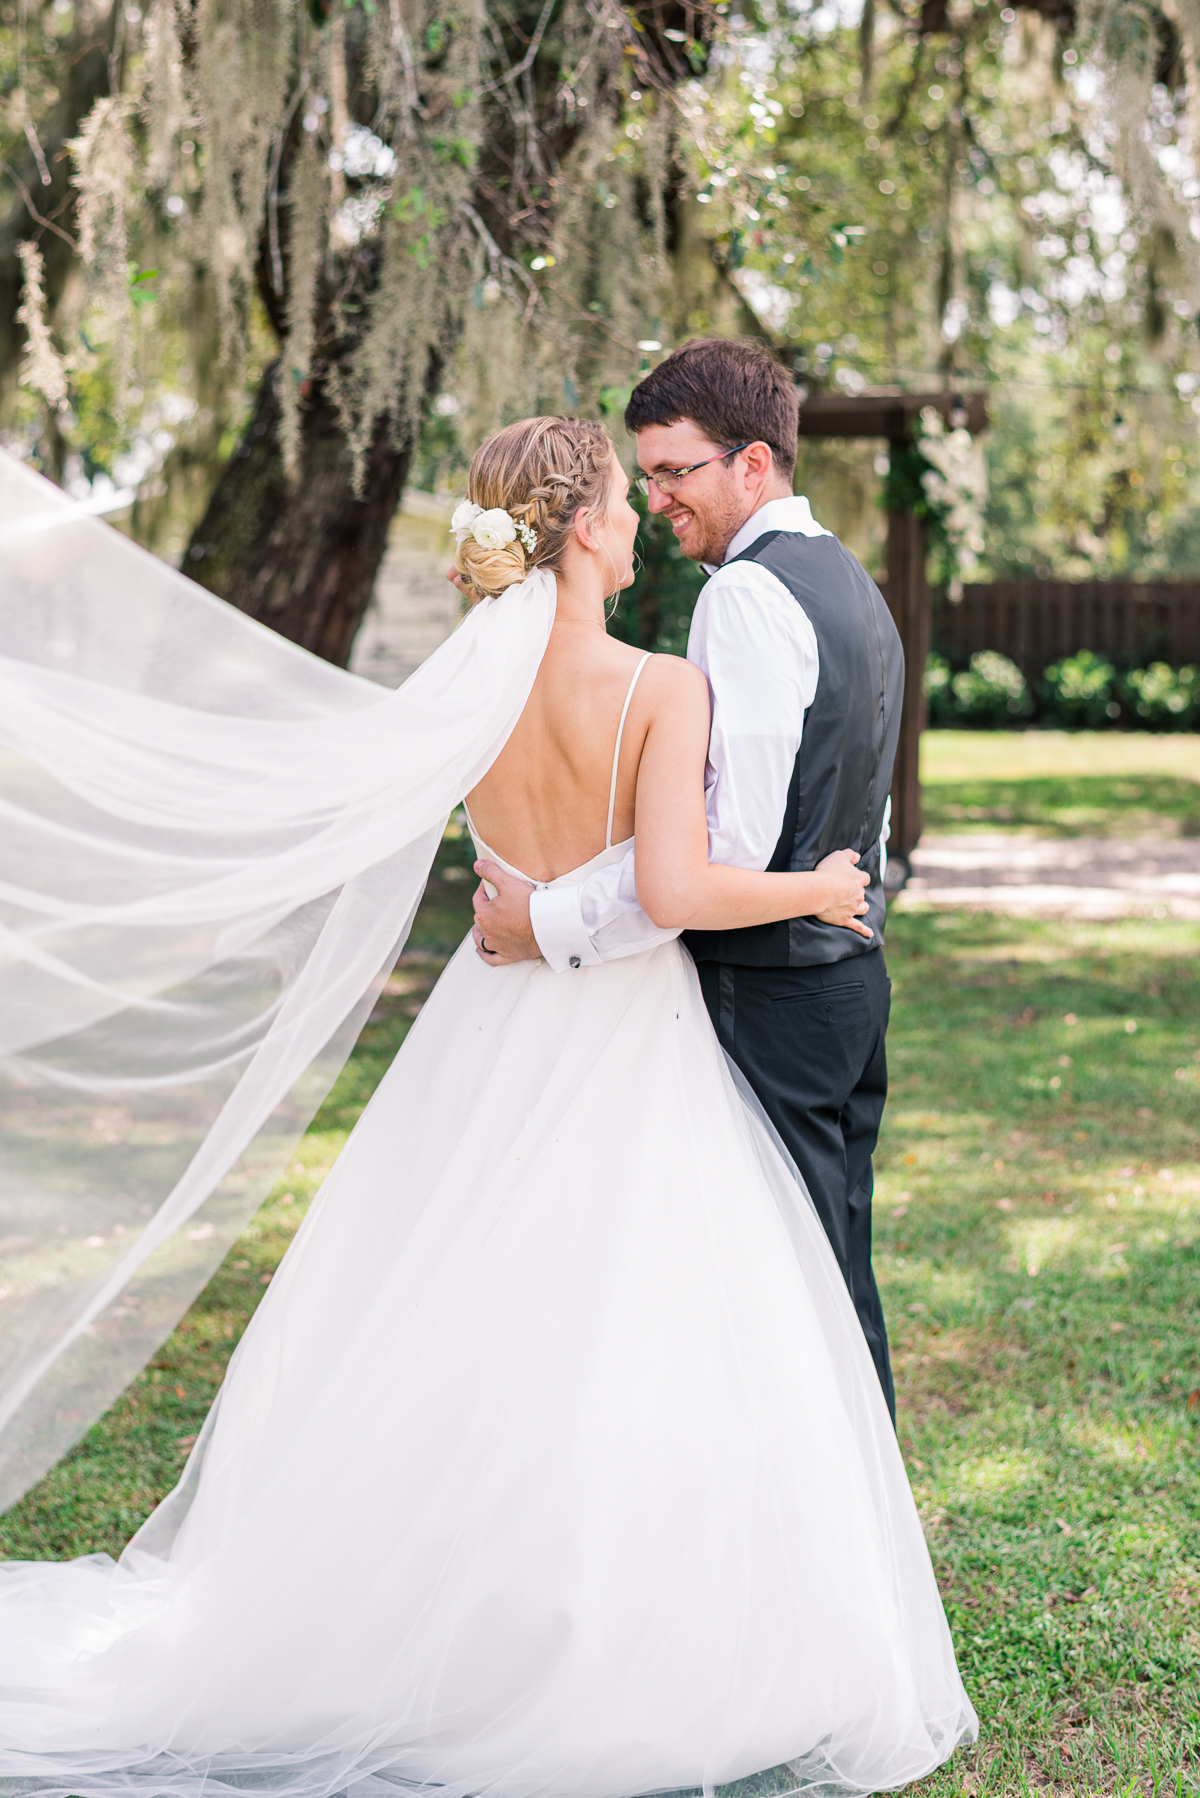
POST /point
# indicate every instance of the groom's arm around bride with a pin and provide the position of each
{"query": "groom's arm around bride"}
(805, 670)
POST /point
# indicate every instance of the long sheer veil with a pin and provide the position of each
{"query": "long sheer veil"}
(211, 849)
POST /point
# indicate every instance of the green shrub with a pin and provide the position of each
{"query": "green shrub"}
(1080, 693)
(991, 691)
(1162, 698)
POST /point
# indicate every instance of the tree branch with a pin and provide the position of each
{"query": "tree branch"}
(35, 215)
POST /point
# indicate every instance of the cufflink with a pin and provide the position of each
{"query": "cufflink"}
(575, 962)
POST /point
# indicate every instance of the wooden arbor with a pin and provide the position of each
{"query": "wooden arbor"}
(889, 413)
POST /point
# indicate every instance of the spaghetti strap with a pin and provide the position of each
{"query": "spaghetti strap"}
(612, 789)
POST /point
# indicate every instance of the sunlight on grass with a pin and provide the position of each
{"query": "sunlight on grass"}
(1038, 1253)
(1055, 784)
(994, 1475)
(954, 755)
(1045, 1243)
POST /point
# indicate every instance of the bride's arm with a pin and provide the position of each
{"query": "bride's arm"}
(677, 886)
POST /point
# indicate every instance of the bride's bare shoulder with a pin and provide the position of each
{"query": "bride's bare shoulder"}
(672, 681)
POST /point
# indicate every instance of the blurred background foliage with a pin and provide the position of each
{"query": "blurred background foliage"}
(904, 193)
(978, 232)
(1085, 691)
(997, 246)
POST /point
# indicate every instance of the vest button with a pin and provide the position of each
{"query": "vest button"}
(575, 962)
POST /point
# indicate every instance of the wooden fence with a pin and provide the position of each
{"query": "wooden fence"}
(1035, 622)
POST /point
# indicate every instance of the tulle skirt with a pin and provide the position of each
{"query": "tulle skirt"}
(552, 1463)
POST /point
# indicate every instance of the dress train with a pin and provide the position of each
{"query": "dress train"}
(552, 1463)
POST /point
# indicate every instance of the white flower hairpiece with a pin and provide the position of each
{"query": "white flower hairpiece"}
(494, 529)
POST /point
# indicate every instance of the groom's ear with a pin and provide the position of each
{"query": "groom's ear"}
(758, 463)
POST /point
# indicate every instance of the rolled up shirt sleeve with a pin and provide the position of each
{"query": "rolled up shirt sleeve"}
(599, 919)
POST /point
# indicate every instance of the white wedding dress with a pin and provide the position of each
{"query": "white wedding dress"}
(553, 1463)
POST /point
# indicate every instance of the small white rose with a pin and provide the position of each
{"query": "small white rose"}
(494, 529)
(463, 517)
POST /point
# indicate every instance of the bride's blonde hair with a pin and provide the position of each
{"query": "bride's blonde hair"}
(541, 471)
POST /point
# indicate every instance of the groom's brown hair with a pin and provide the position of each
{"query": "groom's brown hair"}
(732, 388)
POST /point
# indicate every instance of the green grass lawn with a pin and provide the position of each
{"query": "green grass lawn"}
(1062, 783)
(1038, 1244)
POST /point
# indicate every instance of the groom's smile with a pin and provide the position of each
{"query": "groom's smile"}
(709, 496)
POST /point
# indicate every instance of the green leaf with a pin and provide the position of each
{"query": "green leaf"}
(139, 293)
(455, 149)
(613, 400)
(424, 251)
(409, 206)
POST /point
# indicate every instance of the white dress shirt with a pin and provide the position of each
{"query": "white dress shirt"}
(758, 649)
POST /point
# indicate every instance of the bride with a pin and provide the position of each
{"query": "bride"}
(554, 1461)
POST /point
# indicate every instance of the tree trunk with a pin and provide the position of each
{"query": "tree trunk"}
(299, 557)
(907, 595)
(302, 557)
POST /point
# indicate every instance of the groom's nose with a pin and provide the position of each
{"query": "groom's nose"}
(656, 499)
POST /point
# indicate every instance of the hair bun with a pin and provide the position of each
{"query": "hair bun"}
(540, 472)
(490, 571)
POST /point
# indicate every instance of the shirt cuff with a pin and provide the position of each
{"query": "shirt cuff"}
(556, 918)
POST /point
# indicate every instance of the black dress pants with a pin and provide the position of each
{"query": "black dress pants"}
(811, 1043)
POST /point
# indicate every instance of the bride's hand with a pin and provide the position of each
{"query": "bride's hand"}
(849, 902)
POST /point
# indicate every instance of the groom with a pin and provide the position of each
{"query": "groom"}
(805, 669)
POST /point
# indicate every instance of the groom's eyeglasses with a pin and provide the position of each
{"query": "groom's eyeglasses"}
(667, 480)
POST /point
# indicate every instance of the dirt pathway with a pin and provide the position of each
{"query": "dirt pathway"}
(1084, 877)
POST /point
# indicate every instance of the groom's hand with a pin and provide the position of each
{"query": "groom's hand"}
(502, 930)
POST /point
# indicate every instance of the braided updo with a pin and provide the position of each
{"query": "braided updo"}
(541, 471)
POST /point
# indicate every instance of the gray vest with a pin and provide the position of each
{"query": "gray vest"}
(843, 770)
